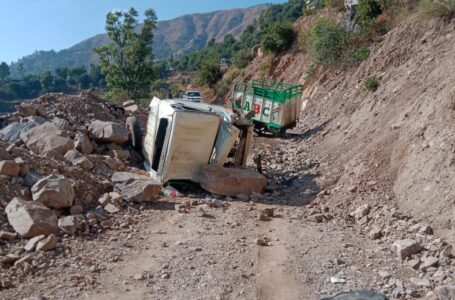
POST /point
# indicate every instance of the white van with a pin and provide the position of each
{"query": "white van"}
(194, 96)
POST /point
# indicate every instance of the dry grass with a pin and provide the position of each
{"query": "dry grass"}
(441, 8)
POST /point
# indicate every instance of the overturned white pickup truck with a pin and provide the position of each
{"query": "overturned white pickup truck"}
(193, 141)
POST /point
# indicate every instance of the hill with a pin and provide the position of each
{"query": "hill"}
(173, 37)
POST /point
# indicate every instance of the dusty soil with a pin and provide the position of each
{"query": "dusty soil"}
(211, 252)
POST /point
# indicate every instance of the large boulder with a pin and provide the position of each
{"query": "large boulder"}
(47, 244)
(83, 144)
(61, 123)
(13, 131)
(54, 191)
(9, 168)
(68, 224)
(231, 181)
(26, 110)
(31, 178)
(4, 155)
(445, 292)
(358, 295)
(79, 159)
(30, 218)
(47, 138)
(108, 132)
(136, 188)
(406, 247)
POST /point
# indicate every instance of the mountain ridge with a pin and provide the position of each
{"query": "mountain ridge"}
(172, 37)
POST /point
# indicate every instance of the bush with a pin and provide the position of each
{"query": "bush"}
(360, 54)
(371, 83)
(266, 66)
(366, 12)
(209, 74)
(308, 11)
(442, 8)
(277, 38)
(230, 75)
(222, 89)
(304, 41)
(242, 58)
(338, 4)
(326, 41)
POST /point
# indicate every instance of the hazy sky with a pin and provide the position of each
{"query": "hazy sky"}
(29, 25)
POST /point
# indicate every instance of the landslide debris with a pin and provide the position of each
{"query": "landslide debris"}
(57, 156)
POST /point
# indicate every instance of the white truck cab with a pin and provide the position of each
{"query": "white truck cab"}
(182, 136)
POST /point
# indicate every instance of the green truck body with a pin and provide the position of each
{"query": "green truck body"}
(276, 105)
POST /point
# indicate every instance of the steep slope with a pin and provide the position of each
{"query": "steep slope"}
(176, 36)
(395, 145)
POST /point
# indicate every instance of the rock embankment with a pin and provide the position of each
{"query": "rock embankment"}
(57, 156)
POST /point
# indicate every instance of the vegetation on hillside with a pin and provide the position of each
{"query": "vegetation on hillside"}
(443, 8)
(272, 30)
(326, 40)
(131, 72)
(366, 12)
(371, 83)
(171, 37)
(277, 38)
(63, 80)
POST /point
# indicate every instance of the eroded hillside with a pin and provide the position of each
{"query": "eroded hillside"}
(400, 136)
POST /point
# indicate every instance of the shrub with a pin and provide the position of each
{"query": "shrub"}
(310, 71)
(443, 8)
(360, 54)
(208, 74)
(266, 66)
(308, 11)
(326, 41)
(371, 83)
(338, 4)
(230, 75)
(277, 38)
(304, 41)
(243, 58)
(222, 89)
(366, 12)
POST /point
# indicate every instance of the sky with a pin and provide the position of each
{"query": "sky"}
(29, 25)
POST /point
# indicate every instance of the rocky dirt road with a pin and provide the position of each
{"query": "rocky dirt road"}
(309, 236)
(309, 249)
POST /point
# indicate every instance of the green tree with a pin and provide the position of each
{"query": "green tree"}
(96, 78)
(366, 12)
(242, 58)
(127, 63)
(326, 40)
(4, 71)
(47, 82)
(21, 70)
(278, 37)
(209, 73)
(84, 81)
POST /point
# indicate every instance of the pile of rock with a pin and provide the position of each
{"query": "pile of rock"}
(413, 243)
(66, 168)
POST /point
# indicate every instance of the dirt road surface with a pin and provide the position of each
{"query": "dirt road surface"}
(311, 248)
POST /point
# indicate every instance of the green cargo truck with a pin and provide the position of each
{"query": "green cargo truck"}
(276, 105)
